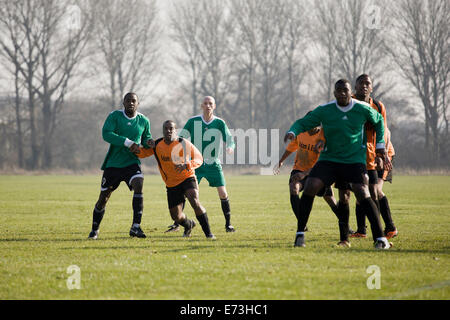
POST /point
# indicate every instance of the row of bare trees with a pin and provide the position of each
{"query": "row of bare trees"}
(266, 61)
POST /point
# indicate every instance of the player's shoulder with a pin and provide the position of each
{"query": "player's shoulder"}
(220, 120)
(143, 116)
(325, 105)
(196, 117)
(361, 104)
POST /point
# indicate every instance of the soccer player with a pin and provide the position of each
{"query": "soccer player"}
(308, 146)
(342, 160)
(207, 132)
(363, 90)
(177, 160)
(124, 130)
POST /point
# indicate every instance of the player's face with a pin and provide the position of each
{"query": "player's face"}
(169, 131)
(208, 105)
(130, 103)
(363, 87)
(343, 94)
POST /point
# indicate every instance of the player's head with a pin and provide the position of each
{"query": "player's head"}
(363, 86)
(343, 92)
(169, 130)
(208, 104)
(130, 103)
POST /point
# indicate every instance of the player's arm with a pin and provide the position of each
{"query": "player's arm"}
(292, 147)
(196, 158)
(186, 131)
(228, 138)
(109, 133)
(147, 140)
(309, 121)
(144, 152)
(377, 120)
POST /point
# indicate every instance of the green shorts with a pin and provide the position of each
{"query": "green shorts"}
(211, 172)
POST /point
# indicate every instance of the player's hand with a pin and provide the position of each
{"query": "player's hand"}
(230, 150)
(134, 148)
(289, 136)
(387, 163)
(379, 163)
(151, 143)
(276, 168)
(180, 167)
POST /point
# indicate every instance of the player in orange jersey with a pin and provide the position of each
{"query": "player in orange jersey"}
(375, 166)
(177, 160)
(308, 146)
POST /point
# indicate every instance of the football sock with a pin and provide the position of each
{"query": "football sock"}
(226, 210)
(203, 219)
(360, 219)
(186, 223)
(138, 207)
(344, 215)
(97, 217)
(304, 209)
(386, 213)
(373, 215)
(294, 204)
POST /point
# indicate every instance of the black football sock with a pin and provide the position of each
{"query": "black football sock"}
(294, 204)
(186, 223)
(138, 207)
(386, 214)
(360, 219)
(344, 216)
(304, 209)
(204, 222)
(226, 210)
(373, 215)
(97, 217)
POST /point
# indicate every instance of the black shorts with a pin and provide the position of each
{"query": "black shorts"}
(373, 176)
(176, 195)
(342, 174)
(325, 191)
(112, 177)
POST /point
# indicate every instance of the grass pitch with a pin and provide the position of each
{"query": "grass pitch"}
(45, 221)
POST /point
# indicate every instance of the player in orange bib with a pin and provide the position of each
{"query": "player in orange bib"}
(177, 160)
(376, 170)
(308, 146)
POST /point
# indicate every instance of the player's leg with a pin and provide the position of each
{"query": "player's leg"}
(225, 205)
(110, 181)
(99, 211)
(192, 194)
(362, 194)
(175, 226)
(137, 185)
(214, 174)
(385, 210)
(321, 174)
(295, 186)
(177, 215)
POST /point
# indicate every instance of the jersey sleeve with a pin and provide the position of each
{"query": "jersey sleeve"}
(227, 137)
(311, 120)
(377, 120)
(144, 153)
(146, 134)
(293, 145)
(195, 155)
(187, 129)
(108, 131)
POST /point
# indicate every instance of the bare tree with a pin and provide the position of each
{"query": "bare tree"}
(127, 34)
(423, 31)
(353, 44)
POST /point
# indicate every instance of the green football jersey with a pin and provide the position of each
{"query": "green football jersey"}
(117, 128)
(207, 136)
(343, 128)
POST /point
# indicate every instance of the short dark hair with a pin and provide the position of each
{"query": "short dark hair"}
(129, 94)
(362, 76)
(341, 82)
(169, 121)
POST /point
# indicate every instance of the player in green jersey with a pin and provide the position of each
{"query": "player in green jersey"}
(207, 132)
(343, 158)
(124, 130)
